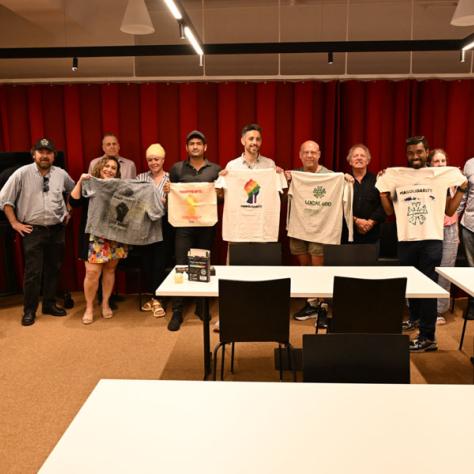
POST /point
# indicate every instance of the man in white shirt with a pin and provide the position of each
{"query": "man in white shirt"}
(111, 147)
(419, 244)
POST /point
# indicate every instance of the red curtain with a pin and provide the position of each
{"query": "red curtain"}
(336, 114)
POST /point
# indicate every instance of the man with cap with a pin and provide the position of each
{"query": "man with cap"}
(111, 147)
(195, 169)
(33, 201)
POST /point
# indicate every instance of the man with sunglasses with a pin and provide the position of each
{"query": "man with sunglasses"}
(33, 201)
(420, 198)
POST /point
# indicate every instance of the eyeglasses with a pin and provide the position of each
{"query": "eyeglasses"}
(45, 184)
(415, 140)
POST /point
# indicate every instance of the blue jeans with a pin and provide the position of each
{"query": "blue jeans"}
(468, 241)
(424, 255)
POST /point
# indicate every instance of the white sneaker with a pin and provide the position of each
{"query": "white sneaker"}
(441, 320)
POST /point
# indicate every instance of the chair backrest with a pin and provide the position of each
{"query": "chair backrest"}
(255, 253)
(356, 358)
(388, 254)
(368, 306)
(254, 310)
(350, 255)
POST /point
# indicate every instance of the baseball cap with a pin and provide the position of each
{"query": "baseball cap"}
(44, 144)
(196, 134)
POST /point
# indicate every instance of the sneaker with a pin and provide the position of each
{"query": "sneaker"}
(307, 312)
(440, 320)
(421, 344)
(175, 322)
(410, 325)
(322, 321)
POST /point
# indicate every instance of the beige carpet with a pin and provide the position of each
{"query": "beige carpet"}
(48, 370)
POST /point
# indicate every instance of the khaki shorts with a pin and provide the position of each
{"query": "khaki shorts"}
(303, 247)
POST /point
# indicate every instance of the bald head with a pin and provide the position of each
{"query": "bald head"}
(309, 155)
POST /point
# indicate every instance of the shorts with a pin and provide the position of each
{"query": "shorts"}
(303, 247)
(102, 250)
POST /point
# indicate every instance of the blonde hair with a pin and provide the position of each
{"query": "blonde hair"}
(358, 145)
(155, 150)
(101, 163)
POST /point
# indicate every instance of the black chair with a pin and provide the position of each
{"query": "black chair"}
(255, 253)
(356, 358)
(254, 311)
(350, 255)
(388, 254)
(367, 306)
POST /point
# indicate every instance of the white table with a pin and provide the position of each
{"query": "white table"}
(148, 427)
(463, 277)
(306, 282)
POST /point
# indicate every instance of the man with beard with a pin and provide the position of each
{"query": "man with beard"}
(33, 201)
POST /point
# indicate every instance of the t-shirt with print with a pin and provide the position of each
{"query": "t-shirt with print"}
(419, 199)
(317, 203)
(251, 205)
(123, 210)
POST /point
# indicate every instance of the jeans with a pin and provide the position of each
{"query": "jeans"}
(424, 255)
(468, 241)
(185, 239)
(43, 250)
(450, 252)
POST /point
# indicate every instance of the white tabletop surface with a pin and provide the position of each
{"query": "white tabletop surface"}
(137, 426)
(463, 277)
(305, 281)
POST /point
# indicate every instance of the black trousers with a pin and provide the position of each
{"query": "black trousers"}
(44, 251)
(185, 239)
(424, 255)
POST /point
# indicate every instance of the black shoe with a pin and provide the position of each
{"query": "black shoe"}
(307, 312)
(322, 321)
(28, 318)
(421, 344)
(54, 310)
(175, 322)
(68, 301)
(410, 325)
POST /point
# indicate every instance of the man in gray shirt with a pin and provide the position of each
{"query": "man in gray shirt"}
(111, 147)
(33, 201)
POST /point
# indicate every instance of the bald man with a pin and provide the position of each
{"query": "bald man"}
(309, 253)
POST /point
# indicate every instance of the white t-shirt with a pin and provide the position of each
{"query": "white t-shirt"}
(316, 205)
(251, 205)
(419, 199)
(192, 205)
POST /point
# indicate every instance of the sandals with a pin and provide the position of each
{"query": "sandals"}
(88, 318)
(157, 309)
(107, 313)
(148, 306)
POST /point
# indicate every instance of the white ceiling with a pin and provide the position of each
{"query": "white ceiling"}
(44, 23)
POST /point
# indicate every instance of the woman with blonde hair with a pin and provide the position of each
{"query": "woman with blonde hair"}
(100, 255)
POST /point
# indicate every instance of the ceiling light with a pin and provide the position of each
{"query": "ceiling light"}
(330, 57)
(464, 13)
(192, 39)
(136, 20)
(181, 31)
(75, 64)
(174, 9)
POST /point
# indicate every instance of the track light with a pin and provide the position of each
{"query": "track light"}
(181, 31)
(330, 57)
(462, 56)
(192, 39)
(75, 64)
(173, 8)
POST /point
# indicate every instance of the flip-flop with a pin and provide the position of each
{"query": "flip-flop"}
(88, 318)
(148, 306)
(157, 310)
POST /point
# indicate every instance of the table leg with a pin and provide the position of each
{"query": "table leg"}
(206, 337)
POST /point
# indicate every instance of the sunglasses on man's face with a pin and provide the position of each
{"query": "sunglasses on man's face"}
(45, 184)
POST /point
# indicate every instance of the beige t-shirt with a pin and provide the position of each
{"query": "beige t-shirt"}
(419, 199)
(251, 205)
(317, 203)
(192, 205)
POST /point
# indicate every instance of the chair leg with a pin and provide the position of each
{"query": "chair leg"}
(232, 357)
(462, 333)
(280, 361)
(214, 358)
(222, 361)
(291, 362)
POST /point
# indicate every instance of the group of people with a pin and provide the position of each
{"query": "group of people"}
(428, 198)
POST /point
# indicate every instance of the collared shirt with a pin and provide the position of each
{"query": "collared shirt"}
(128, 170)
(147, 177)
(467, 203)
(184, 172)
(367, 205)
(24, 191)
(261, 163)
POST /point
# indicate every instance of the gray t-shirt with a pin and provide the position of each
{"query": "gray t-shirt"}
(123, 210)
